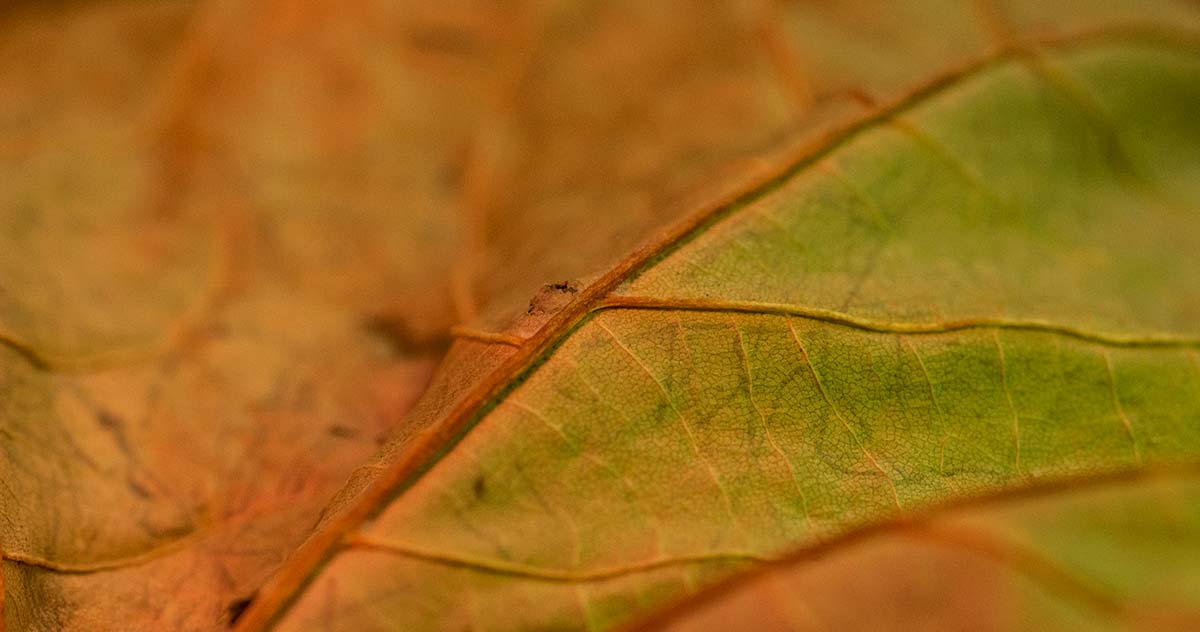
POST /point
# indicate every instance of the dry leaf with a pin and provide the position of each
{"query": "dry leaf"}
(818, 289)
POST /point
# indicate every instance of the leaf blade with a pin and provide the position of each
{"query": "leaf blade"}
(431, 512)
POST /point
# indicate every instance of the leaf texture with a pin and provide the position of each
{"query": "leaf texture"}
(227, 269)
(989, 286)
(234, 238)
(184, 384)
(1084, 554)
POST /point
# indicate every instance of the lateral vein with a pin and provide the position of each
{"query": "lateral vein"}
(497, 567)
(1111, 339)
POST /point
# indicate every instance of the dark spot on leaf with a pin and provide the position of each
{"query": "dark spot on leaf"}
(171, 531)
(235, 609)
(342, 432)
(395, 335)
(115, 426)
(137, 488)
(480, 487)
(445, 40)
(108, 420)
(553, 297)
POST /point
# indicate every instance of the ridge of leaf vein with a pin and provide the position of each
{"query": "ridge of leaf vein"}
(1012, 409)
(497, 567)
(835, 317)
(1120, 409)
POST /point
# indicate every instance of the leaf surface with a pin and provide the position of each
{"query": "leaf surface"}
(990, 285)
(1084, 554)
(235, 237)
(186, 379)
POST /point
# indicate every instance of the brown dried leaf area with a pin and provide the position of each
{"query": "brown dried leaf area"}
(237, 238)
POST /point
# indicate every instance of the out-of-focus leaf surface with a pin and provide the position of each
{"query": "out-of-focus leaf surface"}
(222, 281)
(992, 286)
(1099, 556)
(617, 109)
(75, 195)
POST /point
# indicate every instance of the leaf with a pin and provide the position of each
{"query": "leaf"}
(1084, 554)
(987, 286)
(591, 136)
(235, 238)
(161, 267)
(184, 381)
